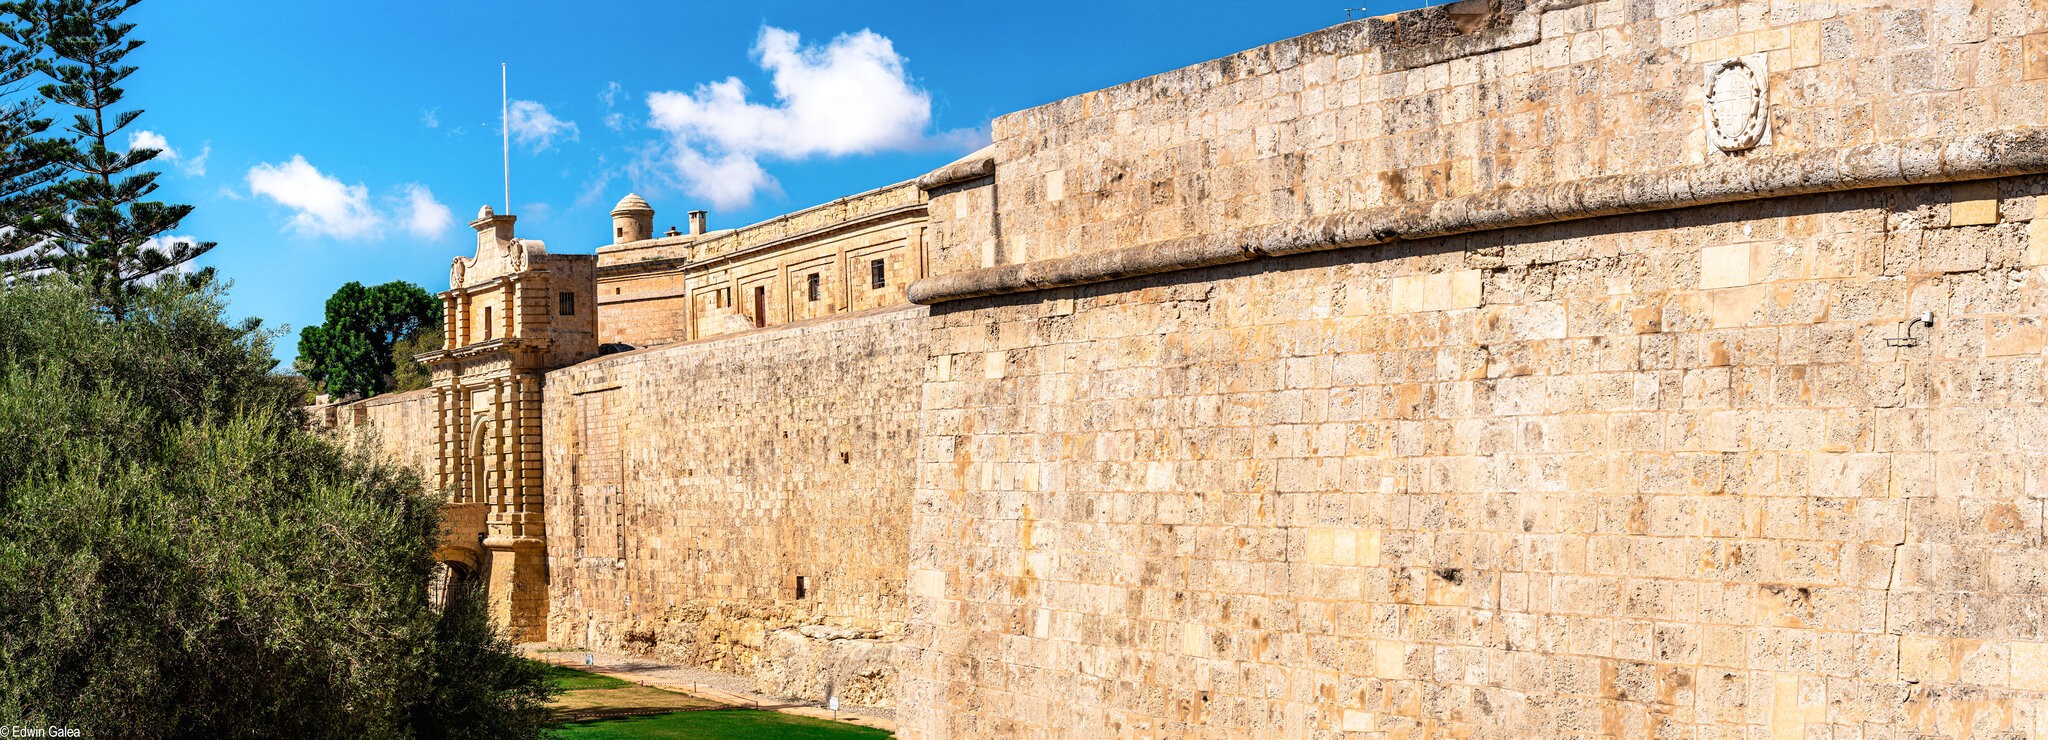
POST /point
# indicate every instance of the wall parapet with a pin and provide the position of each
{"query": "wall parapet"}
(1883, 164)
(1484, 114)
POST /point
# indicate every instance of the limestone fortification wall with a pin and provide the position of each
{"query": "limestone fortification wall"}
(1443, 374)
(689, 487)
(1658, 475)
(1439, 376)
(400, 425)
(404, 424)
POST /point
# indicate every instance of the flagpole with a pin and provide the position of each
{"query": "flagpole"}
(505, 133)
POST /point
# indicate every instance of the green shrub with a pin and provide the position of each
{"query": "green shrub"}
(179, 556)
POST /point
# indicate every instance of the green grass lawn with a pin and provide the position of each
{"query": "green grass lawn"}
(718, 723)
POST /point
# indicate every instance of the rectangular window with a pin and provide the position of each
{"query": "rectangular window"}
(568, 304)
(803, 586)
(760, 306)
(725, 298)
(811, 285)
(878, 274)
(487, 323)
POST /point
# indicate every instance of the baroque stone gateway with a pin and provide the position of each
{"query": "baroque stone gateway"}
(1644, 368)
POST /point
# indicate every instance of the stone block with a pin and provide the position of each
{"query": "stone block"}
(1463, 289)
(1927, 659)
(1796, 703)
(1976, 204)
(1343, 546)
(2037, 239)
(930, 584)
(1725, 266)
(1806, 45)
(2034, 56)
(1194, 640)
(1738, 307)
(2030, 666)
(1356, 720)
(1389, 659)
(2007, 336)
(1435, 291)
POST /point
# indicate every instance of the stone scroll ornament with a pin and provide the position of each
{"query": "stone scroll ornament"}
(1738, 113)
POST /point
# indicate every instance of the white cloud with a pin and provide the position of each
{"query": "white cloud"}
(850, 96)
(593, 188)
(728, 180)
(322, 204)
(152, 140)
(423, 215)
(196, 166)
(534, 127)
(431, 117)
(613, 119)
(191, 166)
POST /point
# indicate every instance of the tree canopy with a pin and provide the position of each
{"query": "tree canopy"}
(180, 557)
(411, 374)
(351, 353)
(28, 160)
(75, 198)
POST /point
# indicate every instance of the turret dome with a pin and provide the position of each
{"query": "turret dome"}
(631, 204)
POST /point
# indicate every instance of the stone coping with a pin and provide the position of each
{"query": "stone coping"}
(978, 164)
(399, 397)
(1884, 164)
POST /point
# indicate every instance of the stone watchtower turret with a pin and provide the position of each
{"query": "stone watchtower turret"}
(513, 312)
(632, 220)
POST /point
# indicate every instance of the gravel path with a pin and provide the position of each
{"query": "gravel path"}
(715, 685)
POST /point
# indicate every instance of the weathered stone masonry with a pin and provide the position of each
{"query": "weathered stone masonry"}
(1629, 368)
(740, 504)
(1690, 473)
(1662, 474)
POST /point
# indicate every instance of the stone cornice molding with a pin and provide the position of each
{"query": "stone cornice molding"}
(490, 283)
(1723, 180)
(480, 349)
(863, 221)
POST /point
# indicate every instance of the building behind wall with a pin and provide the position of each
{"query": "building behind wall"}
(853, 254)
(1494, 369)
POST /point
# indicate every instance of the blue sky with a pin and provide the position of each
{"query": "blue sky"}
(323, 143)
